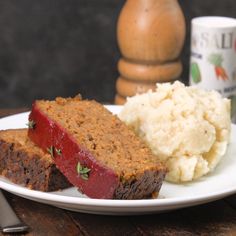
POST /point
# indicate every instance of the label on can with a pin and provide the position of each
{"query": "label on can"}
(213, 54)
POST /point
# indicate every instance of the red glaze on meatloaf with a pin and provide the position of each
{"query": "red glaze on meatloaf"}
(70, 142)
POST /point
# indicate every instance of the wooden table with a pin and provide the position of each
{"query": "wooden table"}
(216, 218)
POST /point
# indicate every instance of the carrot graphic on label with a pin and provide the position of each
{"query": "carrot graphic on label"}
(216, 60)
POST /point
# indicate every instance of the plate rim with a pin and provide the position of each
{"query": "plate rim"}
(50, 196)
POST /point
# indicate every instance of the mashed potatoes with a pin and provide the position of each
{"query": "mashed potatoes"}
(186, 127)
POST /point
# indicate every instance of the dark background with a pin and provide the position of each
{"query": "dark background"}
(65, 47)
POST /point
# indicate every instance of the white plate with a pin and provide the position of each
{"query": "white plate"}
(221, 183)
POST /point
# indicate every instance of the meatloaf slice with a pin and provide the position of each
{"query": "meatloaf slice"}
(95, 150)
(26, 164)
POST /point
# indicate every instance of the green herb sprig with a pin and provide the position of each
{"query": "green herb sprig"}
(50, 150)
(83, 171)
(31, 124)
(58, 151)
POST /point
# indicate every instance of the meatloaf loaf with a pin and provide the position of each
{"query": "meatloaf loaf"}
(26, 164)
(95, 150)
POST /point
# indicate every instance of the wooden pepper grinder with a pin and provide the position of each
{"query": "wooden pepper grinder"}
(150, 37)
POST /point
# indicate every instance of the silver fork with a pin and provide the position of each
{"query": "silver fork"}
(9, 222)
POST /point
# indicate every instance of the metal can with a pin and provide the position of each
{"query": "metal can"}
(213, 56)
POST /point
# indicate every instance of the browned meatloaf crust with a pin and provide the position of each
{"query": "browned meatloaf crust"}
(97, 152)
(25, 164)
